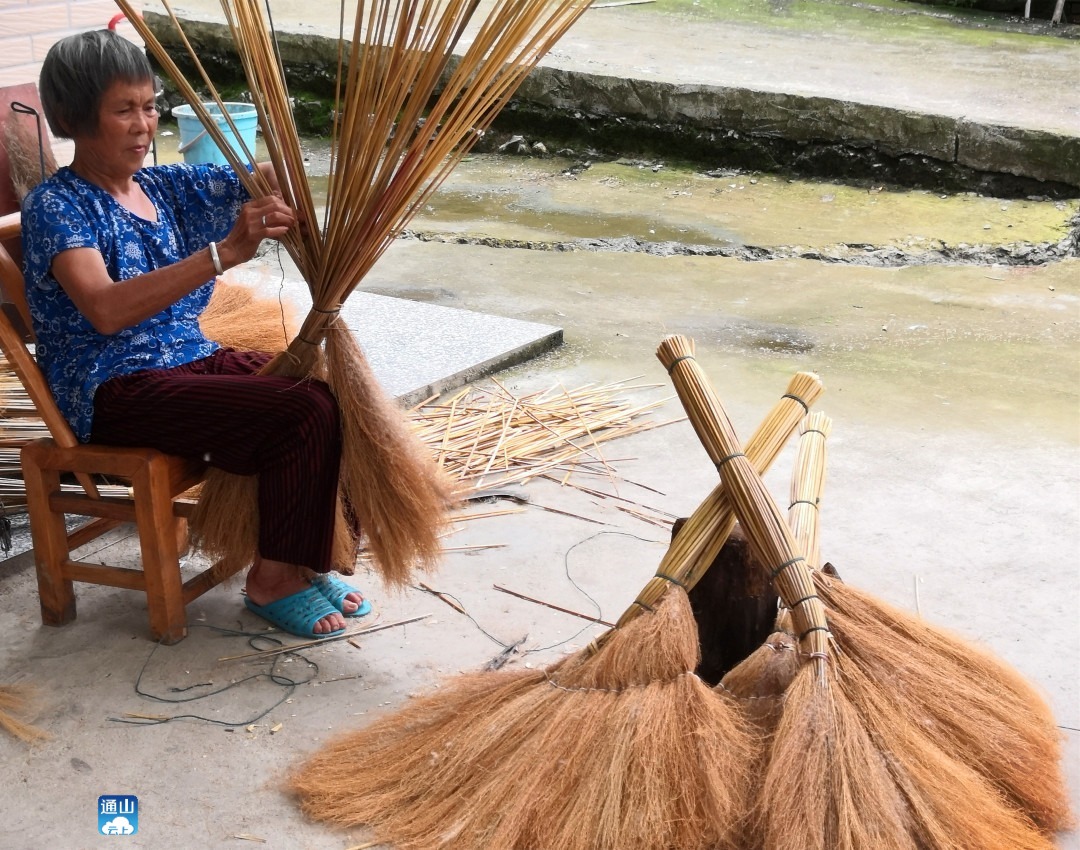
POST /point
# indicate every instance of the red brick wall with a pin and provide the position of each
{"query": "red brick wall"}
(28, 28)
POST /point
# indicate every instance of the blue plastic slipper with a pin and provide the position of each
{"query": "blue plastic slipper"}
(335, 590)
(297, 614)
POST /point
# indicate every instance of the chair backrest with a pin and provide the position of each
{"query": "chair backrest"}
(14, 341)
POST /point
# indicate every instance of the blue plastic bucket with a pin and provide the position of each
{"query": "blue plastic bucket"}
(196, 143)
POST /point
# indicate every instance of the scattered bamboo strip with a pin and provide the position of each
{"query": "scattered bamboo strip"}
(442, 597)
(488, 434)
(602, 495)
(487, 514)
(596, 620)
(475, 548)
(323, 641)
(644, 517)
(568, 513)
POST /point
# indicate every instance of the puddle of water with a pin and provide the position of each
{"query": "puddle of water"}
(539, 199)
(552, 200)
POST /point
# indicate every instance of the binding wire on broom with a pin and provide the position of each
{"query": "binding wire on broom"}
(406, 111)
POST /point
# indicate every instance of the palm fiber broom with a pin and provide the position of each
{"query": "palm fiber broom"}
(618, 747)
(760, 681)
(406, 112)
(974, 706)
(850, 766)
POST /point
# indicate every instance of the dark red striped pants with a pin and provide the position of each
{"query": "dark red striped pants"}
(284, 430)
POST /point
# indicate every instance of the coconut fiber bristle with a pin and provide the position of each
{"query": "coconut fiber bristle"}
(624, 749)
(389, 479)
(972, 705)
(851, 770)
(237, 318)
(16, 702)
(949, 806)
(827, 785)
(760, 680)
(403, 759)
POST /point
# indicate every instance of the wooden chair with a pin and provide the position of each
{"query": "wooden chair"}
(155, 481)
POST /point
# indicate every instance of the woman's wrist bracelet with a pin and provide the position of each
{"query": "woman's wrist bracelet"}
(216, 258)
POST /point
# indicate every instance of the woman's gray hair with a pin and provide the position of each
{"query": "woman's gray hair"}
(78, 70)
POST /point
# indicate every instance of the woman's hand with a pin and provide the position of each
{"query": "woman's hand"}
(268, 217)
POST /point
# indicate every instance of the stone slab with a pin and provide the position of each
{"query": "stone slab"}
(415, 349)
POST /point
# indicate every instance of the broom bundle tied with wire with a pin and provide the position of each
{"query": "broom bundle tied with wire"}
(765, 675)
(863, 758)
(973, 706)
(599, 752)
(407, 109)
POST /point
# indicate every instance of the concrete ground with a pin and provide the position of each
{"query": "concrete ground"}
(953, 490)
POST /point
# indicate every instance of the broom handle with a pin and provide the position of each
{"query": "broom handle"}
(755, 508)
(807, 485)
(700, 540)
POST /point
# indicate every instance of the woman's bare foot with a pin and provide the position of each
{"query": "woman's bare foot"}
(268, 581)
(352, 602)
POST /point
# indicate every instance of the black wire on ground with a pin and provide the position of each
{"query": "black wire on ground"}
(255, 641)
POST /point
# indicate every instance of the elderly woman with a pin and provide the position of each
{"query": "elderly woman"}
(120, 260)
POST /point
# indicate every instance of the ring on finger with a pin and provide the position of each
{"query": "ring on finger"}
(264, 221)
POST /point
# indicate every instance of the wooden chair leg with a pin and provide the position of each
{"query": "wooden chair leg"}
(55, 593)
(161, 566)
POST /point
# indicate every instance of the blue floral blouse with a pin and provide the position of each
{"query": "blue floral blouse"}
(196, 204)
